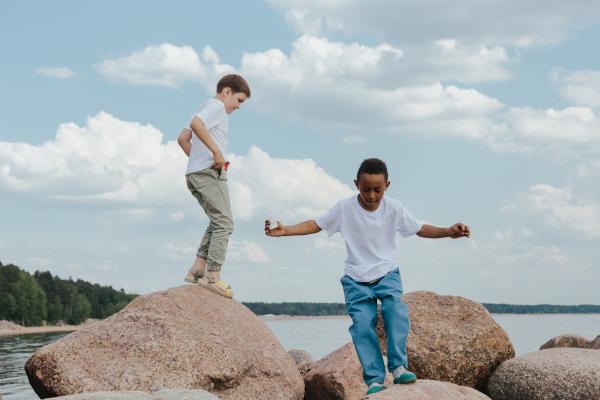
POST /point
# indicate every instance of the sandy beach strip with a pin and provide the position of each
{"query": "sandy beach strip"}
(27, 330)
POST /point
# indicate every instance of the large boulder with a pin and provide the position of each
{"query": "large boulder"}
(567, 340)
(559, 373)
(185, 337)
(429, 390)
(452, 339)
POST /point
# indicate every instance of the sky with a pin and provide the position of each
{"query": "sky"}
(486, 113)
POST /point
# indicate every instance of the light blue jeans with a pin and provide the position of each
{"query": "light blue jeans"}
(361, 304)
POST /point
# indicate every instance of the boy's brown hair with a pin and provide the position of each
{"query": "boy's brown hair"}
(235, 82)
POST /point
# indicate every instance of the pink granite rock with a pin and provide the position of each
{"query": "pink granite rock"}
(185, 337)
(337, 376)
(452, 339)
(429, 390)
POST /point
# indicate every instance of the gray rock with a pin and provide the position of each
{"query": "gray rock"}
(429, 390)
(551, 374)
(164, 394)
(303, 360)
(183, 394)
(567, 340)
(595, 344)
(125, 395)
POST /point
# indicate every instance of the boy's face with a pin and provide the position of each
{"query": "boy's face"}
(371, 188)
(232, 101)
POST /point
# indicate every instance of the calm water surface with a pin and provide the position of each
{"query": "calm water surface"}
(317, 336)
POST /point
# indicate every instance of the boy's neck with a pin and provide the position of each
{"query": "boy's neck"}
(364, 206)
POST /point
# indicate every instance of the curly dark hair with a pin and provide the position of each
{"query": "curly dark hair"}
(372, 166)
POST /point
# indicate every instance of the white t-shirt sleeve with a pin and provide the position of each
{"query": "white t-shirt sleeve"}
(406, 224)
(211, 114)
(331, 221)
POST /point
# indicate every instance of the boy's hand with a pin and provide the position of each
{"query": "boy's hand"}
(459, 230)
(219, 161)
(279, 230)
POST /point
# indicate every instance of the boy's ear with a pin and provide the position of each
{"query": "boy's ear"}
(356, 183)
(387, 185)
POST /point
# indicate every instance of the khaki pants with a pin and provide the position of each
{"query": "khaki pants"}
(209, 187)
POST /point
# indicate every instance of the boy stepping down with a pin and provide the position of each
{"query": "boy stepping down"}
(205, 142)
(369, 223)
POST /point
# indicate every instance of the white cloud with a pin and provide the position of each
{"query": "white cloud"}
(246, 251)
(55, 73)
(501, 22)
(579, 87)
(125, 169)
(516, 249)
(326, 245)
(559, 209)
(108, 160)
(165, 65)
(180, 251)
(281, 188)
(572, 132)
(177, 216)
(353, 139)
(238, 252)
(367, 92)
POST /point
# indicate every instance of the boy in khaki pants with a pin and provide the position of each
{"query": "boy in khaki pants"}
(205, 142)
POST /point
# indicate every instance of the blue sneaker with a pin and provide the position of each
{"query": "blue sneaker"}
(374, 388)
(401, 376)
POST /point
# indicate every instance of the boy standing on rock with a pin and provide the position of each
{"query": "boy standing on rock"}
(205, 142)
(369, 223)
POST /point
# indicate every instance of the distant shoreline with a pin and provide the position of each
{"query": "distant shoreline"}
(29, 330)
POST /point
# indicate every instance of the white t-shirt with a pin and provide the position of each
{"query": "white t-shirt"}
(370, 235)
(213, 115)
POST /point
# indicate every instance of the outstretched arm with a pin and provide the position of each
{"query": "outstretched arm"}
(456, 231)
(185, 141)
(303, 228)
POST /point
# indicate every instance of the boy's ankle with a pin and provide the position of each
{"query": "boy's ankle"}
(375, 387)
(402, 375)
(214, 275)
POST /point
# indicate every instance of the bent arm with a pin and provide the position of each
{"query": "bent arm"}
(202, 133)
(456, 231)
(303, 228)
(185, 141)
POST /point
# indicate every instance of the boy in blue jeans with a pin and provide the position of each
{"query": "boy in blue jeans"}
(369, 223)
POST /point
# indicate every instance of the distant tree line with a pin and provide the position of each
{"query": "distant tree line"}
(312, 309)
(541, 309)
(33, 300)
